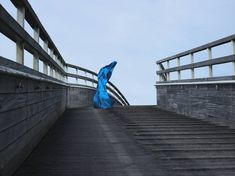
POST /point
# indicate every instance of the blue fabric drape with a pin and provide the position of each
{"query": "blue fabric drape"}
(101, 99)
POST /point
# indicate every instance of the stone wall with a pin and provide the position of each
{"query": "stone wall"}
(212, 102)
(79, 97)
(28, 108)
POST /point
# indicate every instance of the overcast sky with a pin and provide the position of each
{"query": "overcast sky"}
(135, 33)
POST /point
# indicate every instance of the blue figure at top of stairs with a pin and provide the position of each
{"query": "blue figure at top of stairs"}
(101, 98)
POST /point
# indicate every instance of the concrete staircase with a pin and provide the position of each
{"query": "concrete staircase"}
(185, 146)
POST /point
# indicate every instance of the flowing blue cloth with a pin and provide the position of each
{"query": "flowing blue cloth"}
(101, 99)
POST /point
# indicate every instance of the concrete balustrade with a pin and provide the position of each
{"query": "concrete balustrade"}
(211, 98)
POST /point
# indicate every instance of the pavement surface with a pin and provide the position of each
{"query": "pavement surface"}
(132, 141)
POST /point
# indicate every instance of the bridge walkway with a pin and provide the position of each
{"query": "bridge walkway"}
(132, 141)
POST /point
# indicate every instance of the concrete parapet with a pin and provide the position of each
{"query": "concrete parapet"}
(213, 102)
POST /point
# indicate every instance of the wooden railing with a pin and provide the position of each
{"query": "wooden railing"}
(53, 63)
(165, 70)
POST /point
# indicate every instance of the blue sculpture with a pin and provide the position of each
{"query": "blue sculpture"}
(101, 99)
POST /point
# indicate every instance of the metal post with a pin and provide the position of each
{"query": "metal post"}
(233, 43)
(77, 74)
(35, 56)
(178, 64)
(168, 74)
(192, 70)
(19, 44)
(210, 67)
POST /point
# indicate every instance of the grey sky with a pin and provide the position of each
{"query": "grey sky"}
(135, 33)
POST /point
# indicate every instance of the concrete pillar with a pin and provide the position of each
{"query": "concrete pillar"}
(19, 44)
(210, 67)
(178, 64)
(192, 70)
(35, 56)
(233, 44)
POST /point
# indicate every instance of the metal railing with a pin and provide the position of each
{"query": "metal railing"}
(165, 70)
(53, 63)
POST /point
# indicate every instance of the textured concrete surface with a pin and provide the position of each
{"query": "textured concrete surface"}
(28, 108)
(132, 141)
(79, 97)
(82, 97)
(211, 102)
(85, 141)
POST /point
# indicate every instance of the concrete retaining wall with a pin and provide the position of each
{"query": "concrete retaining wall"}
(28, 108)
(30, 103)
(79, 97)
(215, 103)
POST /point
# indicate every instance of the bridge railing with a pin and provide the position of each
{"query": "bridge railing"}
(53, 63)
(166, 70)
(93, 80)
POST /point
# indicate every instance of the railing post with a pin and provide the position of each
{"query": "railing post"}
(178, 64)
(210, 67)
(20, 44)
(45, 67)
(86, 76)
(159, 68)
(51, 53)
(93, 84)
(56, 58)
(77, 74)
(35, 56)
(168, 74)
(66, 68)
(233, 43)
(56, 74)
(51, 71)
(192, 70)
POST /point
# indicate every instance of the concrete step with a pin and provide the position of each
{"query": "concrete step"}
(174, 162)
(206, 171)
(195, 130)
(140, 136)
(169, 125)
(195, 153)
(179, 128)
(184, 140)
(189, 136)
(192, 146)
